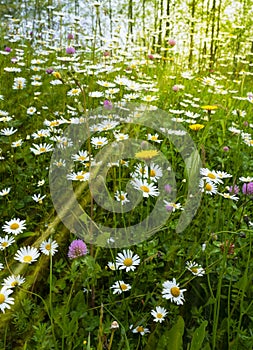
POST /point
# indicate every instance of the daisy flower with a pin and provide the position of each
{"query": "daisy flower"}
(154, 138)
(172, 292)
(13, 281)
(211, 175)
(38, 198)
(17, 143)
(19, 83)
(49, 247)
(195, 268)
(159, 314)
(229, 196)
(14, 226)
(141, 330)
(96, 94)
(208, 187)
(223, 175)
(31, 110)
(149, 98)
(5, 191)
(99, 141)
(120, 287)
(146, 188)
(121, 196)
(6, 242)
(1, 266)
(246, 179)
(81, 156)
(27, 255)
(5, 300)
(170, 206)
(8, 131)
(155, 172)
(79, 176)
(127, 260)
(74, 92)
(119, 136)
(41, 148)
(112, 266)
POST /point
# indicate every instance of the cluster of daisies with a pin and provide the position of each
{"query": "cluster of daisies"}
(211, 179)
(26, 255)
(128, 261)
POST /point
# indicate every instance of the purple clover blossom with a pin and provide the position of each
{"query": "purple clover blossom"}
(247, 188)
(70, 50)
(7, 49)
(49, 70)
(168, 188)
(234, 189)
(77, 248)
(107, 104)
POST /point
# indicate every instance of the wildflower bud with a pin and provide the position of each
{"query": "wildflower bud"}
(70, 36)
(171, 42)
(114, 325)
(245, 123)
(7, 49)
(203, 247)
(106, 54)
(225, 148)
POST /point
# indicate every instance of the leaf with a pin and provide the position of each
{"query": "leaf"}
(198, 336)
(170, 339)
(173, 337)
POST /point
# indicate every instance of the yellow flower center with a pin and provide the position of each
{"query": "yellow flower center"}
(128, 262)
(121, 197)
(154, 138)
(14, 283)
(48, 246)
(27, 258)
(42, 149)
(79, 177)
(140, 329)
(208, 187)
(14, 226)
(144, 188)
(54, 123)
(159, 315)
(123, 287)
(175, 291)
(194, 269)
(152, 173)
(2, 298)
(211, 176)
(4, 244)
